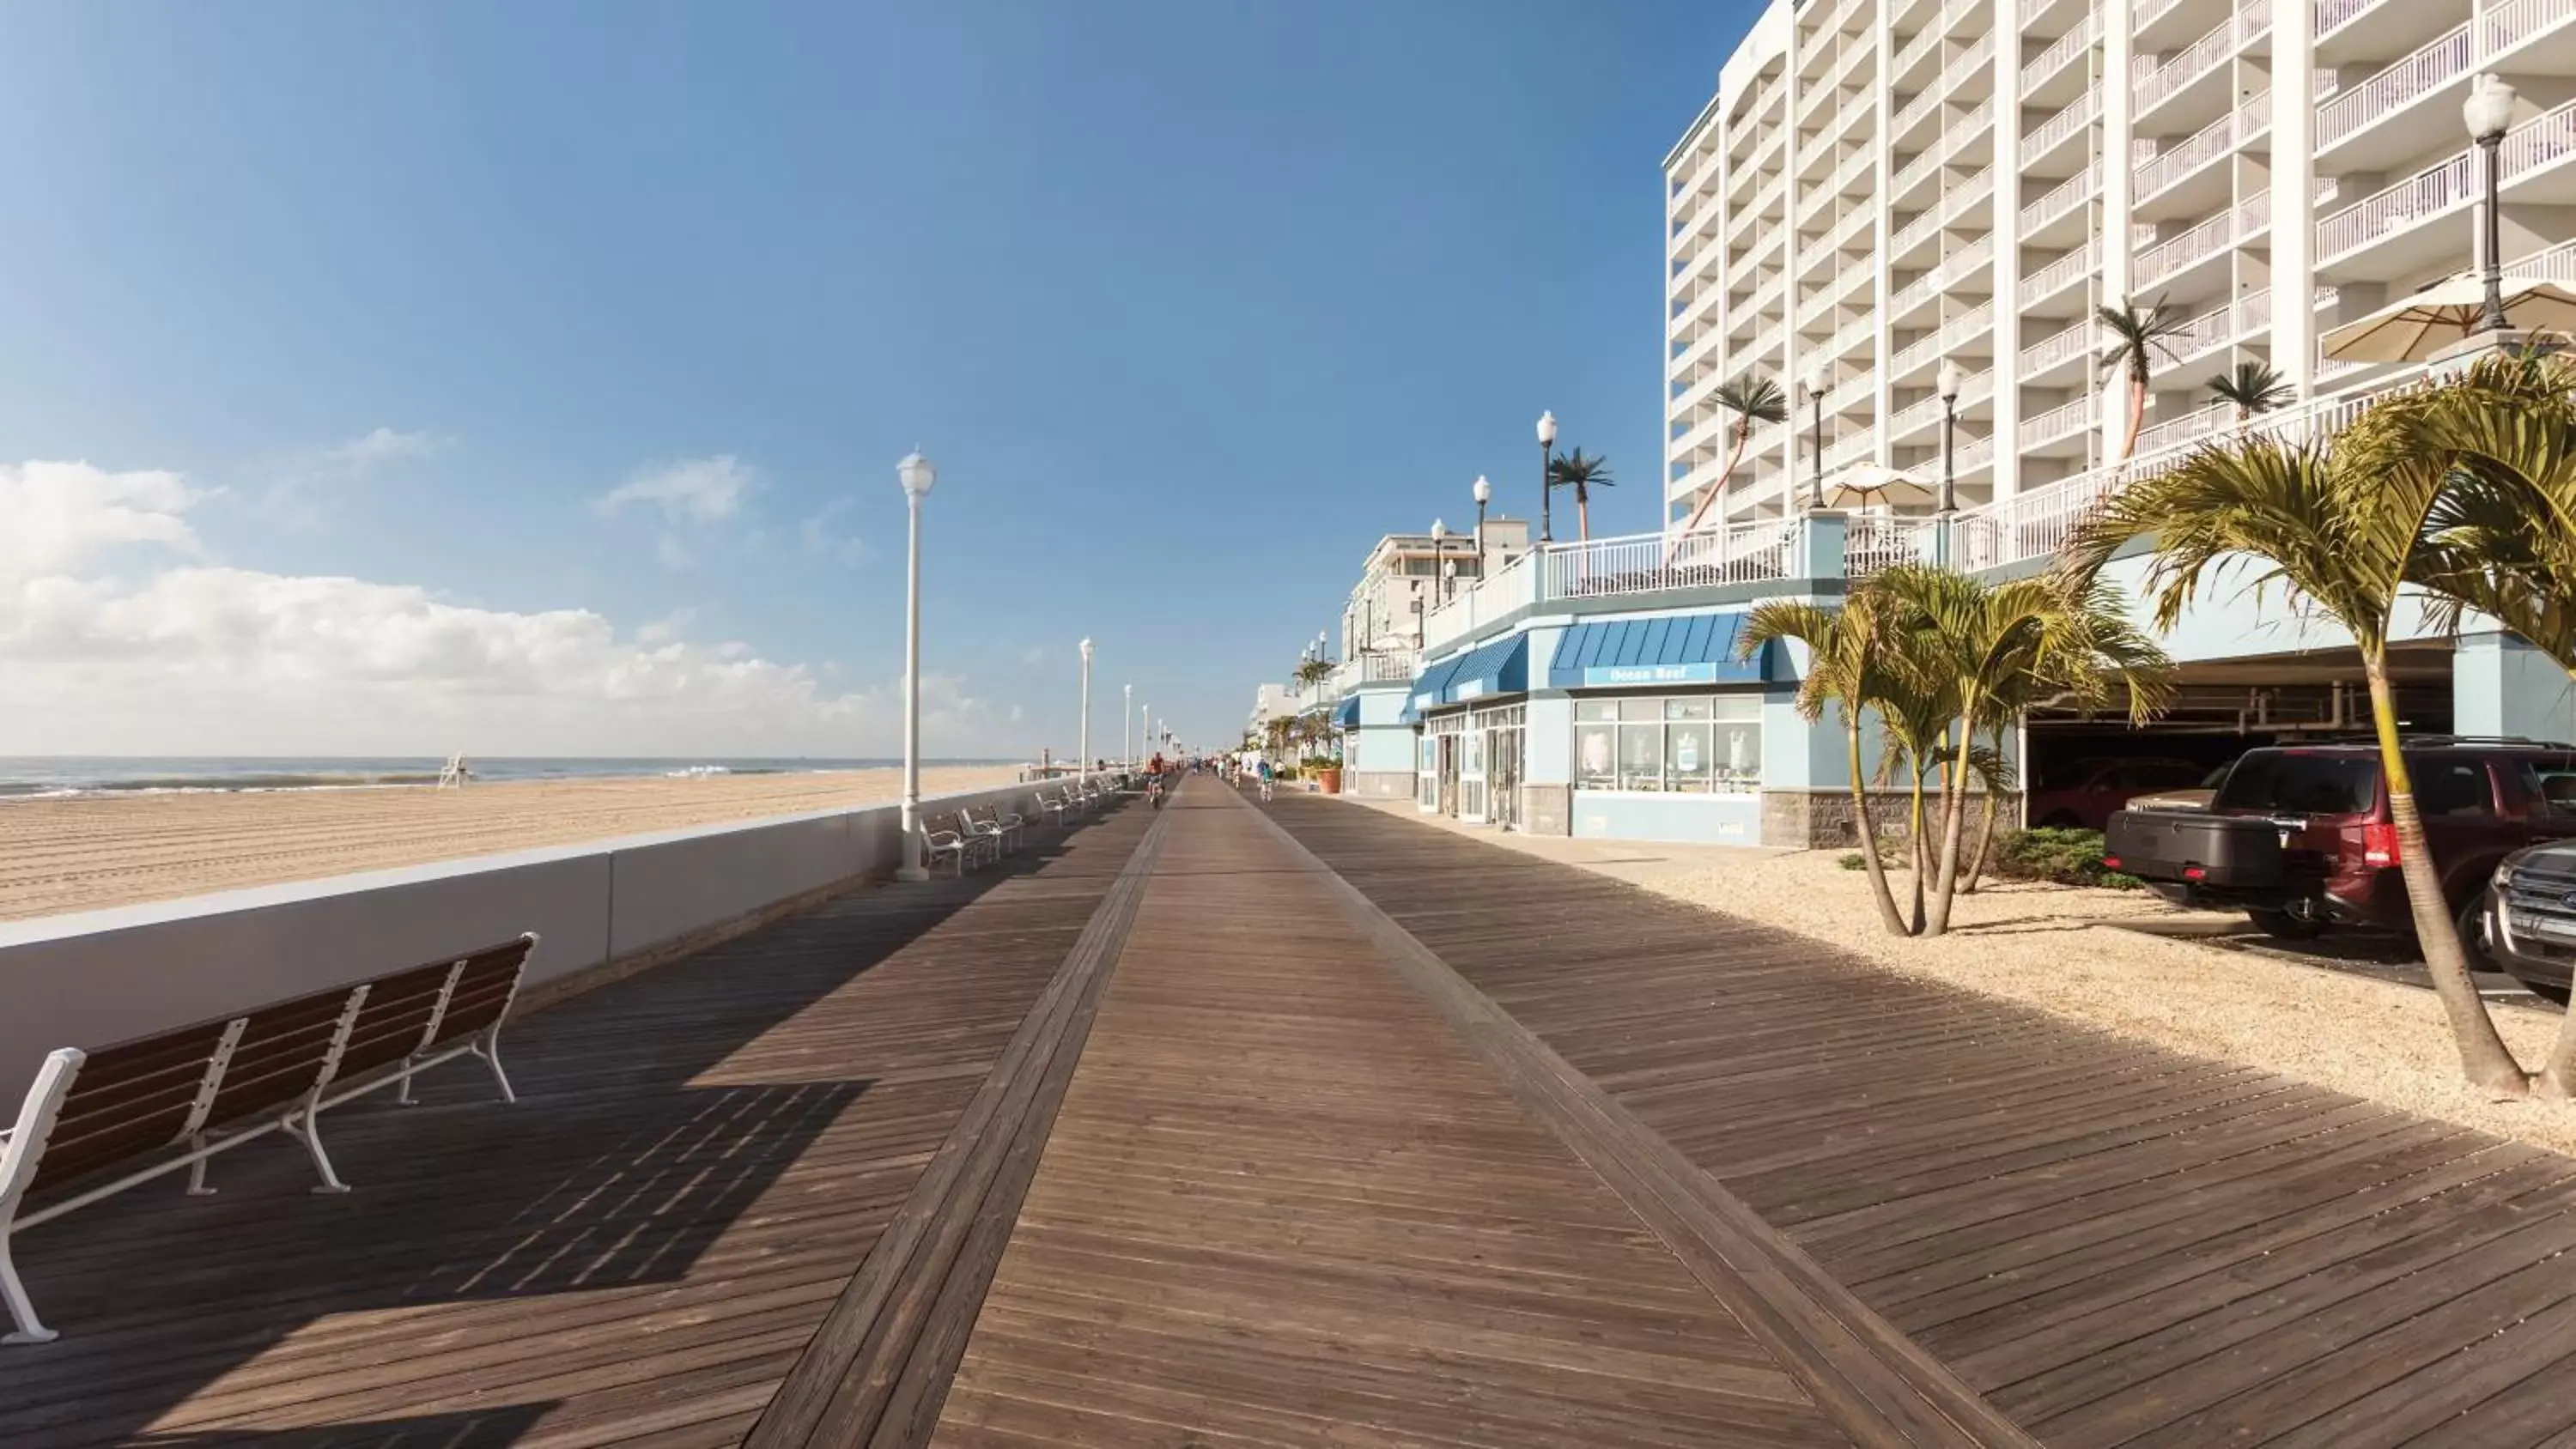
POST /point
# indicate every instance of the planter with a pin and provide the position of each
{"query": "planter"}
(1331, 779)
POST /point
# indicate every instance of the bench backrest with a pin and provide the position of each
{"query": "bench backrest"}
(155, 1091)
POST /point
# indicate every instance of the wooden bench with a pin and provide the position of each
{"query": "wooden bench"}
(96, 1123)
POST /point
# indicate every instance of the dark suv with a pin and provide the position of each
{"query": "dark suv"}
(2299, 836)
(2530, 921)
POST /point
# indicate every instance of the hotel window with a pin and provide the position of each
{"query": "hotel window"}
(1697, 745)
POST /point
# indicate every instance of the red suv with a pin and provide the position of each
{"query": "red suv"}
(2087, 794)
(2299, 836)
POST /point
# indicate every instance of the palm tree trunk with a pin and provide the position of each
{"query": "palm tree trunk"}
(1985, 829)
(1954, 819)
(2137, 415)
(1877, 869)
(1914, 833)
(1582, 514)
(1716, 489)
(2483, 1054)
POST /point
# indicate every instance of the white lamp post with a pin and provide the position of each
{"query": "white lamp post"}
(917, 476)
(1439, 550)
(1082, 771)
(2489, 114)
(1126, 739)
(1546, 462)
(1484, 492)
(1817, 382)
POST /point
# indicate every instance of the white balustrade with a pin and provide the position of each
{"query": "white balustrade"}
(1914, 231)
(2196, 59)
(2056, 348)
(2187, 428)
(1875, 541)
(2057, 422)
(1651, 563)
(1973, 454)
(2250, 118)
(1914, 354)
(2061, 50)
(2081, 262)
(2152, 11)
(2437, 62)
(1958, 198)
(1970, 257)
(2074, 116)
(1956, 332)
(2334, 13)
(2166, 258)
(2506, 26)
(1843, 452)
(2438, 187)
(1916, 169)
(2549, 139)
(2059, 199)
(2254, 310)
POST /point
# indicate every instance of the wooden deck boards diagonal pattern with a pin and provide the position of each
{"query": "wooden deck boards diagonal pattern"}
(637, 1252)
(1285, 1205)
(2114, 1244)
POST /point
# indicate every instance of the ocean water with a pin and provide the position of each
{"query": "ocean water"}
(25, 777)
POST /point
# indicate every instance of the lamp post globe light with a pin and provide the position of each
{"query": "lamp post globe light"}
(1082, 770)
(1546, 464)
(1484, 492)
(917, 477)
(2489, 114)
(1817, 382)
(1439, 551)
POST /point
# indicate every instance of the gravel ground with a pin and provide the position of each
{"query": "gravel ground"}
(2037, 945)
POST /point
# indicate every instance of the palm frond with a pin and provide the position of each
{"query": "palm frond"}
(2251, 388)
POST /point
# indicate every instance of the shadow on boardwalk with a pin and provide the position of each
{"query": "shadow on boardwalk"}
(700, 1156)
(2112, 1243)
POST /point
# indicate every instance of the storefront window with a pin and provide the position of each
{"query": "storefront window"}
(1697, 745)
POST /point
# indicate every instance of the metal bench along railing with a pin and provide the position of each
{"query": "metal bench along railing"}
(1002, 827)
(172, 1100)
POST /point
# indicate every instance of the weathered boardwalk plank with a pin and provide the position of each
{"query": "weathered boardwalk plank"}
(1286, 1204)
(2116, 1245)
(637, 1251)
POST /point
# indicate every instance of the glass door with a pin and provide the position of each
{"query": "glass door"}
(1471, 776)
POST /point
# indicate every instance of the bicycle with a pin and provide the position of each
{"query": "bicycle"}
(1154, 792)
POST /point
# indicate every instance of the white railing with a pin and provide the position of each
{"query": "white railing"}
(1651, 563)
(1843, 452)
(1860, 216)
(2073, 191)
(2214, 328)
(2176, 431)
(1875, 541)
(1376, 668)
(2439, 187)
(1974, 453)
(1916, 169)
(2210, 142)
(1912, 51)
(2077, 263)
(2332, 13)
(1959, 198)
(2057, 347)
(2544, 141)
(2254, 309)
(1849, 336)
(2072, 117)
(2506, 26)
(1914, 231)
(2152, 11)
(1852, 166)
(1914, 354)
(2433, 64)
(2195, 59)
(2056, 423)
(2166, 258)
(2063, 49)
(1967, 324)
(1928, 410)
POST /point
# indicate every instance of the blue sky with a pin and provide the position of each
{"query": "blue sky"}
(529, 378)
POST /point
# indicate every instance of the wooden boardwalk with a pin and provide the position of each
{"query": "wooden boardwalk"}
(2113, 1244)
(1188, 1129)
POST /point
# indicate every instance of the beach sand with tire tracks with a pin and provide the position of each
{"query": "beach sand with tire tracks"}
(87, 852)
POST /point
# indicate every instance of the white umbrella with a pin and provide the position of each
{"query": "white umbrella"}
(2414, 327)
(1863, 484)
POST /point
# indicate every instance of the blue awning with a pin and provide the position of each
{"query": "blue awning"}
(1501, 667)
(1429, 685)
(1346, 715)
(1673, 649)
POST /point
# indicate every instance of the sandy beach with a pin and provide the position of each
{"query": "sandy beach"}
(83, 853)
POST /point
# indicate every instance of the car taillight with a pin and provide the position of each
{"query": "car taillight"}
(2193, 872)
(2379, 844)
(2110, 862)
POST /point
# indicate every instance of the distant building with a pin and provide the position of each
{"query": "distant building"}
(1409, 575)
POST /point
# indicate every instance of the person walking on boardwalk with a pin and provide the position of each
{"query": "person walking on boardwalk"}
(1264, 768)
(1154, 770)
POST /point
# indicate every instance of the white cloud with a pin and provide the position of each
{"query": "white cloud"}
(384, 445)
(819, 535)
(695, 490)
(193, 657)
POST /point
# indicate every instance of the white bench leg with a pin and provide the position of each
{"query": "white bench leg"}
(488, 1047)
(197, 1169)
(26, 1328)
(310, 1134)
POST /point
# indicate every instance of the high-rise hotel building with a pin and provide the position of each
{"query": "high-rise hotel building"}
(1880, 185)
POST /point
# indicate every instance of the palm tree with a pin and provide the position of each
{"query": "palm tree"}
(1582, 473)
(2346, 527)
(1994, 649)
(2253, 387)
(2135, 339)
(1843, 672)
(1753, 400)
(1314, 672)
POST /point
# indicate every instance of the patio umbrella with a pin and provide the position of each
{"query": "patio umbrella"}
(1864, 484)
(2414, 327)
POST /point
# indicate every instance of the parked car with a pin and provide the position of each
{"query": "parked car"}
(2095, 788)
(2529, 928)
(2195, 798)
(2299, 837)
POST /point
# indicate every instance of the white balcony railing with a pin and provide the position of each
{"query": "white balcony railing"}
(1876, 541)
(2057, 423)
(1973, 454)
(2166, 258)
(1843, 452)
(1651, 563)
(2441, 60)
(2061, 50)
(2057, 347)
(2074, 116)
(2334, 13)
(2505, 26)
(2061, 198)
(2438, 187)
(2196, 59)
(2081, 262)
(2250, 118)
